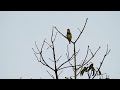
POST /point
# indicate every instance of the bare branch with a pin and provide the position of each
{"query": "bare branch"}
(86, 54)
(40, 52)
(55, 37)
(62, 34)
(37, 47)
(67, 60)
(37, 57)
(107, 52)
(46, 63)
(50, 75)
(84, 63)
(51, 59)
(91, 51)
(81, 31)
(59, 58)
(48, 45)
(60, 73)
(92, 56)
(34, 51)
(68, 67)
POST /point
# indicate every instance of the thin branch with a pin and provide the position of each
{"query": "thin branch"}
(50, 75)
(62, 34)
(40, 52)
(60, 73)
(107, 52)
(55, 37)
(91, 51)
(59, 58)
(68, 67)
(86, 54)
(88, 60)
(51, 59)
(37, 47)
(48, 45)
(34, 51)
(92, 56)
(37, 57)
(67, 60)
(81, 31)
(46, 63)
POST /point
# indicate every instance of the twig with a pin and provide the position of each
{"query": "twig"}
(50, 75)
(67, 60)
(60, 73)
(81, 31)
(48, 45)
(59, 58)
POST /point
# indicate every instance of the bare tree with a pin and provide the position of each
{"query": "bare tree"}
(86, 66)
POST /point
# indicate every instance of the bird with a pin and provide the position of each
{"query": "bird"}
(69, 35)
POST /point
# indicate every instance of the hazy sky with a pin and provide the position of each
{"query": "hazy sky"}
(19, 30)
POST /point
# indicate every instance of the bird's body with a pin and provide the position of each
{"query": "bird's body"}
(69, 35)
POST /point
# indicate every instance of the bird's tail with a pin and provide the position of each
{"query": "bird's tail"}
(69, 42)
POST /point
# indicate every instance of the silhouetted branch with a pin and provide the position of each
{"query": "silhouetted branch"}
(81, 31)
(60, 73)
(48, 45)
(59, 58)
(92, 56)
(67, 60)
(62, 34)
(86, 62)
(41, 57)
(107, 52)
(50, 75)
(54, 57)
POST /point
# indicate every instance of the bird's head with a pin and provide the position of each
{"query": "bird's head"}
(68, 30)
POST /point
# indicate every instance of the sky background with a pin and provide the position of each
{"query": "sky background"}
(19, 30)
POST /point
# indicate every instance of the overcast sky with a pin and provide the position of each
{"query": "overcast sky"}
(19, 30)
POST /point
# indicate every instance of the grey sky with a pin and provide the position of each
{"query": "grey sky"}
(19, 30)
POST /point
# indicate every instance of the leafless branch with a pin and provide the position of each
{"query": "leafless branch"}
(51, 59)
(68, 67)
(92, 56)
(62, 34)
(81, 31)
(67, 60)
(55, 37)
(41, 57)
(60, 73)
(107, 52)
(50, 75)
(34, 51)
(54, 56)
(91, 51)
(86, 62)
(48, 45)
(59, 58)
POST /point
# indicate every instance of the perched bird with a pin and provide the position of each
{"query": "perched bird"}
(69, 35)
